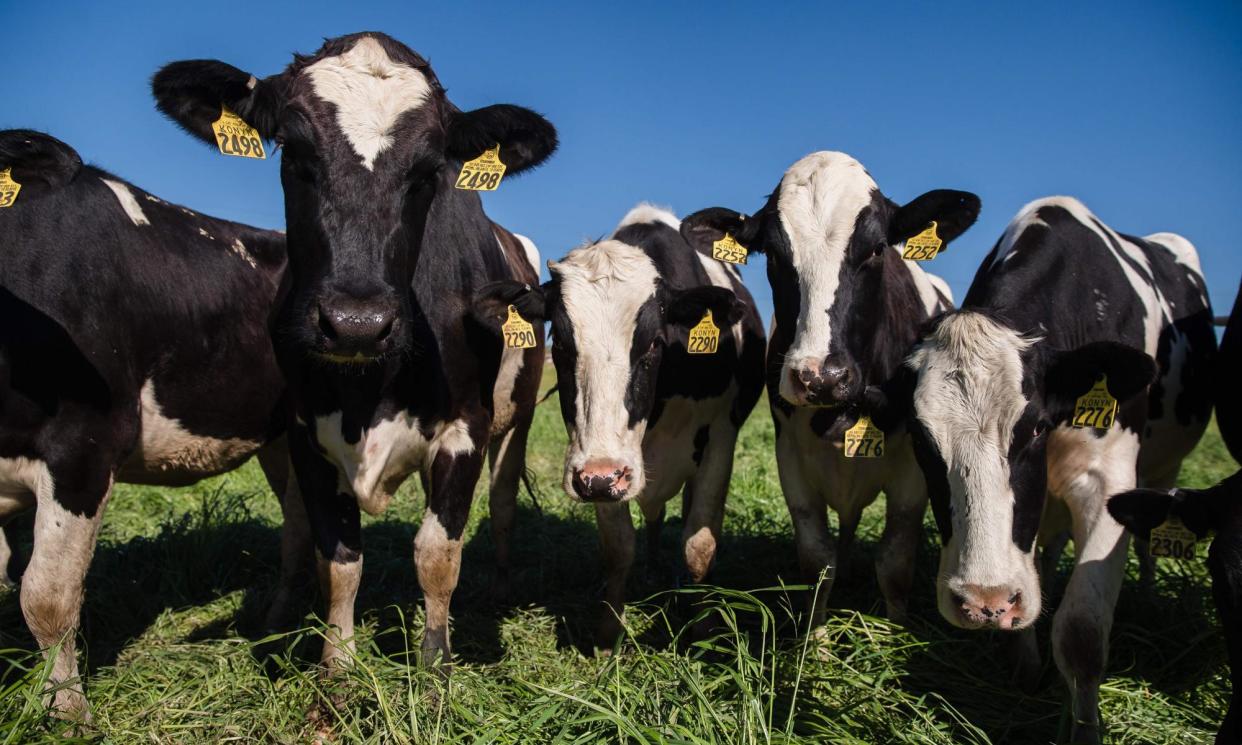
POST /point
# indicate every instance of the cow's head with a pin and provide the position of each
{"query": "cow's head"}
(829, 235)
(37, 161)
(367, 140)
(985, 401)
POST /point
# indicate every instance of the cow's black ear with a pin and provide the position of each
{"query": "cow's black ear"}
(705, 227)
(687, 307)
(37, 158)
(952, 211)
(1140, 510)
(492, 301)
(1070, 374)
(193, 92)
(526, 139)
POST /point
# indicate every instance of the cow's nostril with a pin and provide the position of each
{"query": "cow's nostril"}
(385, 331)
(1015, 598)
(325, 324)
(959, 600)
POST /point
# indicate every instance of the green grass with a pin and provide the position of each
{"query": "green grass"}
(175, 599)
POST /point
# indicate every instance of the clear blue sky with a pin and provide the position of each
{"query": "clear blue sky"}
(1133, 107)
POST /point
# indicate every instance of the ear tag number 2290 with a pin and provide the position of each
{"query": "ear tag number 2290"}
(1096, 408)
(8, 188)
(924, 246)
(235, 137)
(704, 337)
(864, 439)
(483, 173)
(518, 332)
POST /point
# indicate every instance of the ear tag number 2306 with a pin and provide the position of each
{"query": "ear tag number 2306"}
(483, 173)
(1096, 408)
(1173, 540)
(864, 439)
(235, 137)
(518, 332)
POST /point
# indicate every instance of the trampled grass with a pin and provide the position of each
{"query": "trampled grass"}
(174, 651)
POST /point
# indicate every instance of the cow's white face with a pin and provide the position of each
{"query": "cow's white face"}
(981, 438)
(607, 340)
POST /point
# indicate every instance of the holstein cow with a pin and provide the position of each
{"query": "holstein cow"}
(1203, 511)
(650, 410)
(1228, 370)
(848, 308)
(134, 348)
(1061, 302)
(392, 368)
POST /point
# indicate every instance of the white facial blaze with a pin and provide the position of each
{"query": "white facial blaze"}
(820, 199)
(603, 286)
(370, 93)
(969, 398)
(126, 197)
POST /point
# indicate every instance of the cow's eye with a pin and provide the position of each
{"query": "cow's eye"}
(1041, 427)
(878, 250)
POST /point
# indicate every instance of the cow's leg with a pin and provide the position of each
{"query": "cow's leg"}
(11, 506)
(67, 517)
(1050, 555)
(336, 530)
(1023, 652)
(817, 553)
(653, 508)
(1081, 625)
(616, 534)
(296, 552)
(905, 505)
(507, 458)
(456, 459)
(701, 535)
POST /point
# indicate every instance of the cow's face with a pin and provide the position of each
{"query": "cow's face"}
(829, 235)
(985, 401)
(613, 320)
(368, 139)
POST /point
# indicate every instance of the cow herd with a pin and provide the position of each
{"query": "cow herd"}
(395, 329)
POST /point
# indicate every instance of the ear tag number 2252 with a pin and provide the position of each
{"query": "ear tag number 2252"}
(483, 173)
(864, 439)
(728, 249)
(8, 188)
(518, 332)
(924, 246)
(1173, 540)
(704, 337)
(1096, 408)
(235, 137)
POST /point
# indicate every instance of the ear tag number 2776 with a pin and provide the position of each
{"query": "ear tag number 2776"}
(483, 173)
(8, 188)
(704, 337)
(1096, 408)
(235, 137)
(518, 332)
(924, 246)
(864, 439)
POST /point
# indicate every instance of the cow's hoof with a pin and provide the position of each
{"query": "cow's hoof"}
(70, 705)
(1084, 733)
(500, 594)
(607, 634)
(436, 655)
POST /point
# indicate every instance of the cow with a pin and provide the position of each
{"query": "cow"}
(389, 337)
(1203, 511)
(647, 410)
(848, 308)
(1228, 368)
(1061, 306)
(135, 349)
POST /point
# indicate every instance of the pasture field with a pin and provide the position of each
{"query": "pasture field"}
(174, 648)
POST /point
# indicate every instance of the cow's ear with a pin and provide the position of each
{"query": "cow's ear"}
(687, 307)
(526, 139)
(1140, 510)
(1070, 374)
(705, 227)
(193, 92)
(36, 158)
(492, 301)
(952, 211)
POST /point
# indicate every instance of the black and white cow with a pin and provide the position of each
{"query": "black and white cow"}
(1227, 395)
(645, 416)
(848, 309)
(1060, 301)
(1204, 511)
(134, 348)
(392, 367)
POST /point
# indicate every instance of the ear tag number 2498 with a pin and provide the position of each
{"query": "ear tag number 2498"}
(864, 439)
(704, 337)
(235, 137)
(924, 246)
(483, 173)
(1096, 408)
(518, 332)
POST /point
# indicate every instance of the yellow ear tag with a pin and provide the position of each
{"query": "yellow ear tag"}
(924, 246)
(728, 249)
(235, 137)
(483, 173)
(1096, 408)
(704, 337)
(864, 439)
(1173, 540)
(519, 334)
(8, 188)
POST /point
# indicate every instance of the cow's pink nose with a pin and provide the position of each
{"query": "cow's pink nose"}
(999, 607)
(602, 481)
